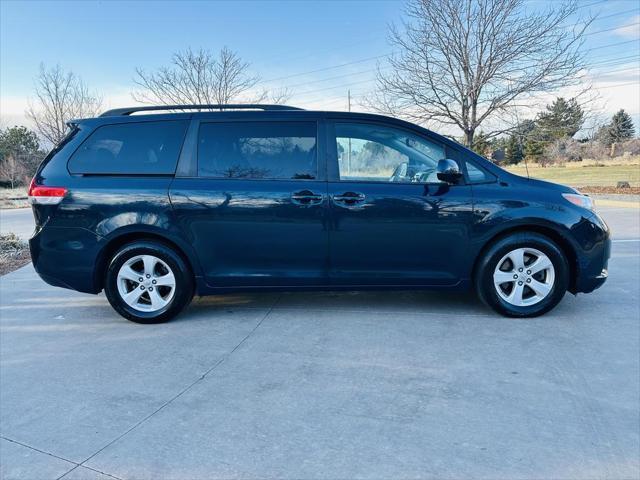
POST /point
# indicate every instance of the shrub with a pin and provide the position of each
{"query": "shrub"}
(563, 150)
(631, 147)
(594, 150)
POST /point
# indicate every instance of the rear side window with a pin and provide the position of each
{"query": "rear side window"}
(145, 148)
(258, 150)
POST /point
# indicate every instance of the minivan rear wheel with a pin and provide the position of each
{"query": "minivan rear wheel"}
(524, 274)
(148, 282)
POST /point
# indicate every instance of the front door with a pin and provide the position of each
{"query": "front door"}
(256, 212)
(392, 221)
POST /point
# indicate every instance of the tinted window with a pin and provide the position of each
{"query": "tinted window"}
(258, 150)
(368, 152)
(131, 148)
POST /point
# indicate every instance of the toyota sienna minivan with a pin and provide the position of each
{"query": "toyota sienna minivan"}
(156, 204)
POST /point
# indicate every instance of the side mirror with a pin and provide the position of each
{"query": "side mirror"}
(448, 171)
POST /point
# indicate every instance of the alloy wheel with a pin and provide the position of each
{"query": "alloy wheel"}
(524, 277)
(146, 283)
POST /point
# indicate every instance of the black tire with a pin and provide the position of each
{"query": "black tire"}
(184, 282)
(487, 291)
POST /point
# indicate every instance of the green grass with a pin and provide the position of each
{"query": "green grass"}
(582, 176)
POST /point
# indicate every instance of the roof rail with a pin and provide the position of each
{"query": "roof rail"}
(129, 110)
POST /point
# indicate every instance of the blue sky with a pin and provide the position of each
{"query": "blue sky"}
(104, 41)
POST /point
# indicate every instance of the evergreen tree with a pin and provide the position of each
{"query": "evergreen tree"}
(533, 149)
(621, 127)
(618, 130)
(560, 120)
(513, 150)
(602, 135)
(499, 143)
(19, 154)
(481, 145)
(18, 140)
(524, 129)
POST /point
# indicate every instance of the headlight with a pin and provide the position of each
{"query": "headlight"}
(583, 201)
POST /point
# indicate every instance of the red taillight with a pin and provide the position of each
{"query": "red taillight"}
(44, 195)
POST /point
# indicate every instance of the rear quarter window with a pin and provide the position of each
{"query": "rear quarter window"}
(143, 148)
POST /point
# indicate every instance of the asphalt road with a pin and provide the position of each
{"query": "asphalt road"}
(324, 385)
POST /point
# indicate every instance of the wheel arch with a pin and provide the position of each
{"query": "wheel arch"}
(551, 233)
(114, 243)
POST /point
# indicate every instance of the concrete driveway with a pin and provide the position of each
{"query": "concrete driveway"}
(349, 385)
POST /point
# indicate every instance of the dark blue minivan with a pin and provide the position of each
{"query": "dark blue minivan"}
(156, 204)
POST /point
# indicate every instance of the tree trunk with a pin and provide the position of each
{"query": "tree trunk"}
(468, 138)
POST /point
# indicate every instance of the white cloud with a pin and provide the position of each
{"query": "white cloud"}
(12, 107)
(630, 29)
(620, 89)
(12, 111)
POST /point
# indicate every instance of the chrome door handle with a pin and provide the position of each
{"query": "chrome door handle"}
(306, 197)
(349, 198)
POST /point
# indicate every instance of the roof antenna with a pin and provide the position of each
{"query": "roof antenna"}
(520, 136)
(526, 165)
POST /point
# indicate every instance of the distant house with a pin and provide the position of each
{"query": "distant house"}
(498, 156)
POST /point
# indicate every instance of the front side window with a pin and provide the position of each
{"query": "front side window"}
(258, 150)
(476, 175)
(368, 152)
(144, 148)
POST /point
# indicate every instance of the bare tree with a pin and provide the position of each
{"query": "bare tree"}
(461, 62)
(12, 170)
(60, 96)
(200, 77)
(276, 97)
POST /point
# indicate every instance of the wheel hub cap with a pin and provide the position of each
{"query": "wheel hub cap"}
(524, 277)
(146, 283)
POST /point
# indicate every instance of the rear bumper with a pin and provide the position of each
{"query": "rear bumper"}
(66, 257)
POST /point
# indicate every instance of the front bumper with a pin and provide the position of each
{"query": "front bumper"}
(593, 264)
(588, 285)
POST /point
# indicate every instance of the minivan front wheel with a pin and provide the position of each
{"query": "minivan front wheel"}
(148, 282)
(522, 275)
